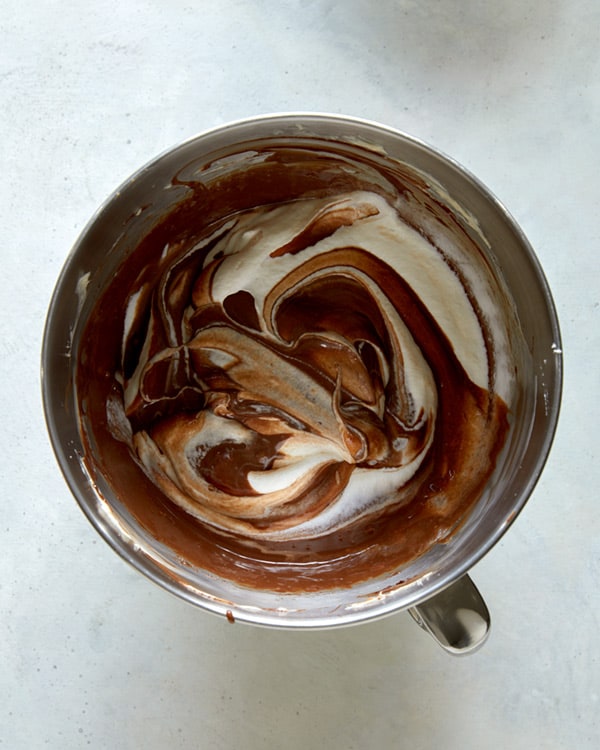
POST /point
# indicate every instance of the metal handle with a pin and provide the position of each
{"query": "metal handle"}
(457, 617)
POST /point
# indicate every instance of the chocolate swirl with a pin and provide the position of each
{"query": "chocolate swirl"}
(283, 384)
(310, 378)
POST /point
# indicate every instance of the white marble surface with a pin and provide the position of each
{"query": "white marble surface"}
(91, 654)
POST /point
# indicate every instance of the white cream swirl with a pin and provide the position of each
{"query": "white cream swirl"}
(290, 373)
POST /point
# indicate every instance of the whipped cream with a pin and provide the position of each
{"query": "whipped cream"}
(283, 375)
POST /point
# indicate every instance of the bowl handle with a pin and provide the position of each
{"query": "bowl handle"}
(457, 617)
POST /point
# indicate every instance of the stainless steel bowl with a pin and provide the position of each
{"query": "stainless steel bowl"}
(438, 590)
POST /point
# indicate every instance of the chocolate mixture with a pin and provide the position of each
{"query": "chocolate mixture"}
(268, 383)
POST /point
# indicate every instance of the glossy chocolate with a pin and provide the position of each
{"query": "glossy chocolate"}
(295, 380)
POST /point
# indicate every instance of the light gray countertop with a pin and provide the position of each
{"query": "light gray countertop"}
(93, 655)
